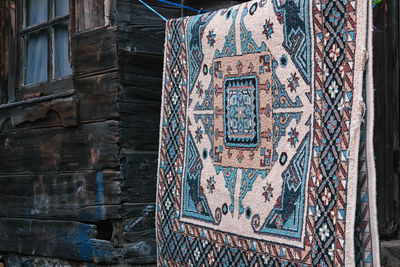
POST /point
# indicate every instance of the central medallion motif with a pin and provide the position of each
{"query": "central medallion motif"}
(243, 109)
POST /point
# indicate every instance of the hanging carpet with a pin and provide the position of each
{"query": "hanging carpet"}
(264, 107)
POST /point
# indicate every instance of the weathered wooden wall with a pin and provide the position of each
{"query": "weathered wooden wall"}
(61, 156)
(82, 152)
(79, 161)
(387, 118)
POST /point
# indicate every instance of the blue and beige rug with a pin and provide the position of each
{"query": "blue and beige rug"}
(260, 150)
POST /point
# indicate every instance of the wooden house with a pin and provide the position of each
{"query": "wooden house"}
(80, 87)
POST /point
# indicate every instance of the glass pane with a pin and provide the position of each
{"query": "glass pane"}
(62, 7)
(36, 60)
(37, 11)
(62, 66)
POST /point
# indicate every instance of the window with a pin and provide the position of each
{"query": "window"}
(44, 36)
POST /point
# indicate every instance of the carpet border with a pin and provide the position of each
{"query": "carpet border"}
(356, 117)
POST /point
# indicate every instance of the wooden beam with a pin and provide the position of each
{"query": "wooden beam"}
(85, 196)
(94, 51)
(139, 129)
(139, 29)
(3, 52)
(97, 97)
(139, 176)
(386, 130)
(142, 225)
(64, 104)
(91, 146)
(89, 14)
(57, 239)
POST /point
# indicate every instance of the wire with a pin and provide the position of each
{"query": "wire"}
(182, 6)
(152, 9)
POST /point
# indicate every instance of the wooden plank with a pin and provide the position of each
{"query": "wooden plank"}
(141, 224)
(88, 146)
(139, 29)
(97, 97)
(140, 64)
(58, 239)
(142, 252)
(89, 14)
(139, 129)
(388, 135)
(139, 125)
(97, 101)
(390, 253)
(79, 195)
(20, 260)
(94, 51)
(139, 176)
(386, 76)
(138, 87)
(44, 89)
(3, 52)
(140, 77)
(133, 210)
(19, 114)
(380, 110)
(12, 51)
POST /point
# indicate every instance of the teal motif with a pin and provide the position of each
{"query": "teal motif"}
(286, 218)
(195, 204)
(282, 121)
(294, 16)
(246, 184)
(230, 175)
(281, 98)
(194, 31)
(208, 100)
(229, 49)
(207, 120)
(249, 46)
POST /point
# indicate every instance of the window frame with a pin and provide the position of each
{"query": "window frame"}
(51, 85)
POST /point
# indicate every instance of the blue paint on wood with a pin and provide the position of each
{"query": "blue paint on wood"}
(85, 245)
(100, 196)
(89, 249)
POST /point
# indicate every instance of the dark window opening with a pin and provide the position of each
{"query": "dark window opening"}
(44, 38)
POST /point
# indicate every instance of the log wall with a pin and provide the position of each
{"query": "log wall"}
(78, 164)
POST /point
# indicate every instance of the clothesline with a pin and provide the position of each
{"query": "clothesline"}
(374, 3)
(172, 4)
(152, 9)
(182, 6)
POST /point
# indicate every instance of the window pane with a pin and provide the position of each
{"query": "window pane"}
(37, 12)
(36, 60)
(62, 66)
(62, 7)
